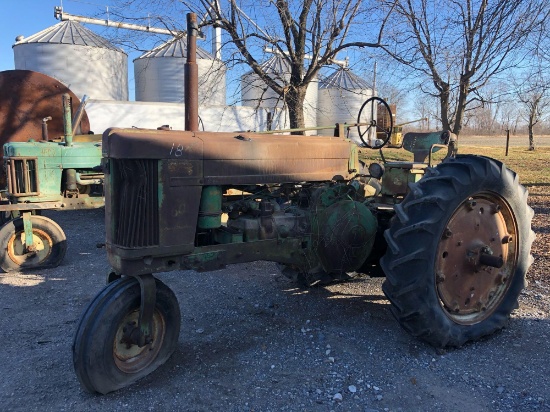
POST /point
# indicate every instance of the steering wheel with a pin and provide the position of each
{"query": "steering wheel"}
(377, 115)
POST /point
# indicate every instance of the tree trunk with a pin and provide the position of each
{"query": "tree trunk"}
(461, 105)
(531, 137)
(295, 98)
(444, 104)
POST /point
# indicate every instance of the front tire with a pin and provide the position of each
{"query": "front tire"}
(458, 251)
(104, 359)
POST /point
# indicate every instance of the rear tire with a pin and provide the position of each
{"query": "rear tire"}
(466, 209)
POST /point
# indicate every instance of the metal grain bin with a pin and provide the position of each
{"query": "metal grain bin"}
(159, 75)
(84, 61)
(340, 97)
(256, 93)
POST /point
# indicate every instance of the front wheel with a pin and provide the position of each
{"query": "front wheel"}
(48, 248)
(458, 251)
(105, 356)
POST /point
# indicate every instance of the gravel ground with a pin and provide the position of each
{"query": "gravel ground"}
(252, 341)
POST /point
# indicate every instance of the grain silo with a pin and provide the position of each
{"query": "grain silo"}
(256, 93)
(159, 74)
(340, 98)
(79, 58)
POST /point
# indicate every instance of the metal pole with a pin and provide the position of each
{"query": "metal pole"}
(79, 113)
(67, 120)
(372, 134)
(507, 140)
(59, 14)
(191, 76)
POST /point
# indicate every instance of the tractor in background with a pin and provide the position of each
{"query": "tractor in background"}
(44, 170)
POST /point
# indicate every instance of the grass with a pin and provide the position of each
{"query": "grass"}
(533, 167)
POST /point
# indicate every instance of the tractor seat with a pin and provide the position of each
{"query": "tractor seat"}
(422, 144)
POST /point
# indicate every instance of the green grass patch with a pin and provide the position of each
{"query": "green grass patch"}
(533, 167)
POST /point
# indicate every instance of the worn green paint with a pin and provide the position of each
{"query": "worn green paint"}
(343, 235)
(52, 158)
(353, 163)
(289, 251)
(27, 225)
(210, 207)
(396, 179)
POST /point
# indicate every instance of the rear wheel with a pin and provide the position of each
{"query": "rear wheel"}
(105, 355)
(458, 251)
(48, 246)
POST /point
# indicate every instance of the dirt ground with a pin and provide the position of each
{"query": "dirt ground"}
(252, 341)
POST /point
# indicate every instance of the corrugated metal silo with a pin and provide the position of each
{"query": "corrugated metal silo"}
(256, 93)
(159, 75)
(76, 56)
(340, 98)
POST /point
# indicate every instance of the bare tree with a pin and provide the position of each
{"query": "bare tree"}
(534, 96)
(455, 47)
(306, 34)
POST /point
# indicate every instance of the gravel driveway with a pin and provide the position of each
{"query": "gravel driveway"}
(252, 341)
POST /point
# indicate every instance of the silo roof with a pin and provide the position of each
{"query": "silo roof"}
(276, 64)
(69, 32)
(344, 79)
(176, 47)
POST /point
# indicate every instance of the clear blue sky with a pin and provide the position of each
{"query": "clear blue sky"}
(28, 17)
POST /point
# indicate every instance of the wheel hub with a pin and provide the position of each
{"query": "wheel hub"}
(39, 251)
(476, 258)
(129, 357)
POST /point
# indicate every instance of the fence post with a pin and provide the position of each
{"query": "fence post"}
(507, 140)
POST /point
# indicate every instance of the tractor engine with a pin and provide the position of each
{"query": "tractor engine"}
(198, 200)
(341, 229)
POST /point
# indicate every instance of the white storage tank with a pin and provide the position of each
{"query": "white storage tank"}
(256, 93)
(159, 75)
(341, 96)
(84, 61)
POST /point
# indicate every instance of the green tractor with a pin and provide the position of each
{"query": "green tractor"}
(46, 174)
(452, 239)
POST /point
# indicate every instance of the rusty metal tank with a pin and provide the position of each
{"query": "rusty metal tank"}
(26, 98)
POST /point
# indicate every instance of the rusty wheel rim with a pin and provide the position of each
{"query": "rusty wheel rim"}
(18, 253)
(476, 258)
(129, 357)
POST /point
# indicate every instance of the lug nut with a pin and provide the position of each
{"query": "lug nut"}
(507, 239)
(470, 204)
(501, 278)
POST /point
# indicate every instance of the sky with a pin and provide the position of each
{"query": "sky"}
(28, 17)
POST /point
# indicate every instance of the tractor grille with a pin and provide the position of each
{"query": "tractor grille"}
(22, 176)
(135, 194)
